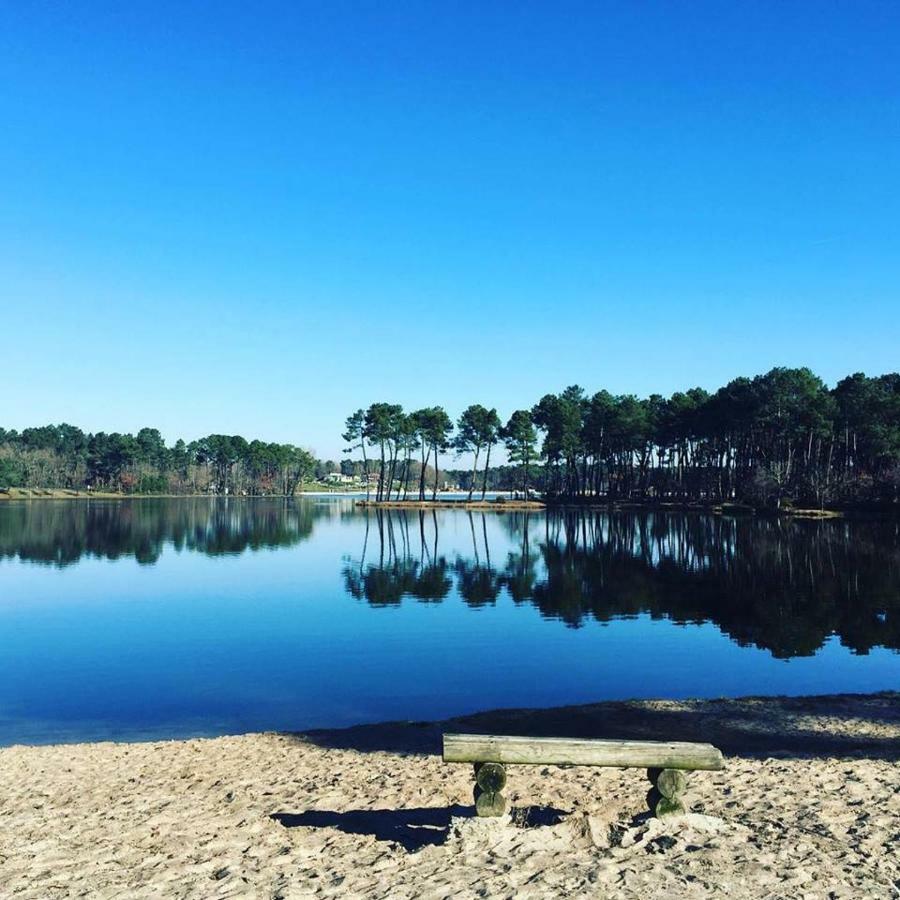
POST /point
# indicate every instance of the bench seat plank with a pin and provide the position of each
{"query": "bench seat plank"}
(476, 748)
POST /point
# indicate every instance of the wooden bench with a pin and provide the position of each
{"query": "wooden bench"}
(665, 761)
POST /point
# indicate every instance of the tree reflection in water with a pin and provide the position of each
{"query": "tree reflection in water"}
(784, 585)
(62, 532)
(407, 565)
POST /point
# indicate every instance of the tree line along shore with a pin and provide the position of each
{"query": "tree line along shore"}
(776, 441)
(63, 461)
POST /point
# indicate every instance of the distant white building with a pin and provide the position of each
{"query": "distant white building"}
(338, 478)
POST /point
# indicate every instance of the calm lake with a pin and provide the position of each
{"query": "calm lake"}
(170, 618)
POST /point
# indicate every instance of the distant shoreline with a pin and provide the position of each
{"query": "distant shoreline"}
(493, 505)
(71, 494)
(727, 509)
(508, 504)
(505, 502)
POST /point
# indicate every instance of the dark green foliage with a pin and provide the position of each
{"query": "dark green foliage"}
(772, 440)
(11, 474)
(777, 440)
(396, 436)
(62, 456)
(152, 484)
(384, 426)
(478, 429)
(520, 439)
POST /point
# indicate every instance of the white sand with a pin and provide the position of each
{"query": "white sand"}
(195, 819)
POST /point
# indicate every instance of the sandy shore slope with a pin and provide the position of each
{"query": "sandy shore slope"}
(808, 807)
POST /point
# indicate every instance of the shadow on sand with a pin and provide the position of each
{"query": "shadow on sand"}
(412, 829)
(836, 725)
(843, 725)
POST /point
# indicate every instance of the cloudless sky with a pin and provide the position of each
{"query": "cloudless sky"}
(255, 217)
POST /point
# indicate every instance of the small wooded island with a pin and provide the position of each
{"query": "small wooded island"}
(777, 442)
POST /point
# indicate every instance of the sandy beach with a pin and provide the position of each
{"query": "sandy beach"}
(808, 806)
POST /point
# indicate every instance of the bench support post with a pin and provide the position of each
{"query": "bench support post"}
(490, 779)
(665, 797)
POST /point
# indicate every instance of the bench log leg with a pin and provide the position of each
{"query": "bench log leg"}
(664, 799)
(490, 779)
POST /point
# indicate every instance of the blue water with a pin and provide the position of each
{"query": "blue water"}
(139, 619)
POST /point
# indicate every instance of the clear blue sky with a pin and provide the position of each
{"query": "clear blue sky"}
(254, 218)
